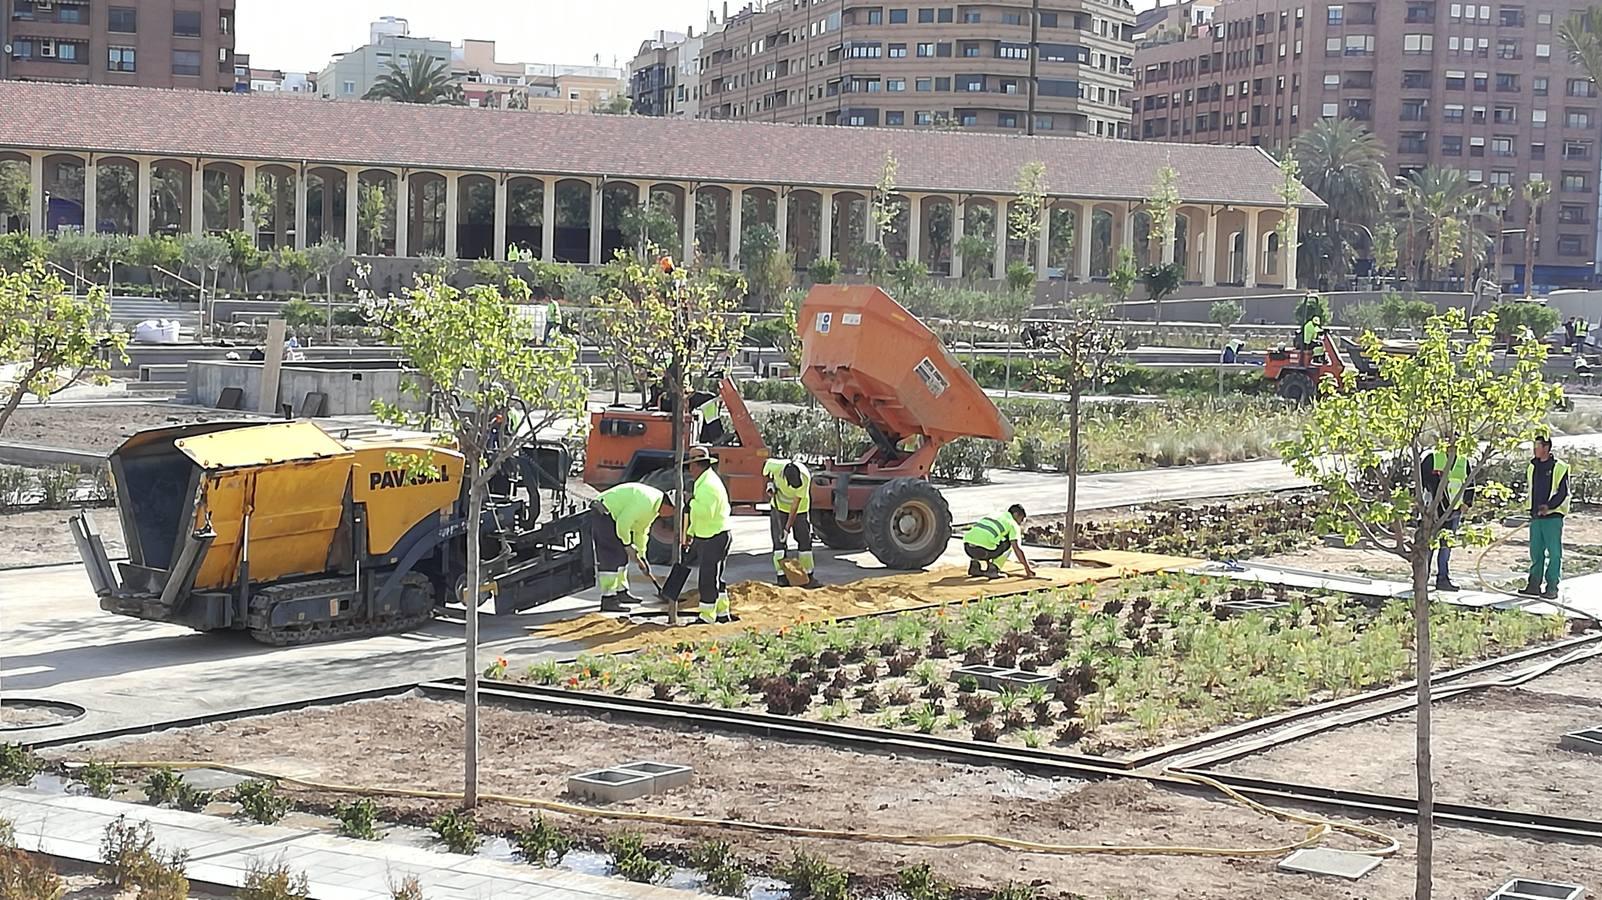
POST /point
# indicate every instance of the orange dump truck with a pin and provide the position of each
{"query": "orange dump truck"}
(868, 362)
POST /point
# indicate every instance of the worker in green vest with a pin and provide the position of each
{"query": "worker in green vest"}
(990, 538)
(620, 527)
(790, 486)
(1450, 490)
(1582, 334)
(708, 539)
(1550, 501)
(1313, 339)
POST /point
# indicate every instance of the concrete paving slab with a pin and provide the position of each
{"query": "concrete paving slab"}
(1324, 861)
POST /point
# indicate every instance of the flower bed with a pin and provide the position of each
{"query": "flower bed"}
(1135, 665)
(1241, 528)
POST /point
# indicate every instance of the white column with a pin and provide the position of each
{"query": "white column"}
(688, 256)
(1129, 229)
(1085, 236)
(453, 212)
(959, 225)
(736, 224)
(1210, 251)
(91, 196)
(999, 264)
(915, 227)
(870, 229)
(826, 225)
(37, 207)
(1170, 244)
(300, 208)
(595, 221)
(548, 217)
(1043, 244)
(403, 213)
(353, 193)
(197, 199)
(1288, 250)
(1252, 250)
(501, 191)
(781, 218)
(142, 198)
(247, 184)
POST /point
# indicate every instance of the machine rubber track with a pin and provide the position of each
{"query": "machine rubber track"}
(262, 602)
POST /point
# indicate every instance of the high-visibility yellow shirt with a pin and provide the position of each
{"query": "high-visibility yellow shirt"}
(633, 507)
(786, 498)
(1310, 333)
(990, 531)
(709, 506)
(1451, 482)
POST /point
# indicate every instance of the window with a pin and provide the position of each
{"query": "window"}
(186, 23)
(1456, 81)
(1412, 142)
(926, 50)
(1537, 151)
(971, 17)
(1506, 82)
(943, 49)
(1007, 120)
(1476, 147)
(1574, 182)
(1538, 118)
(944, 15)
(1451, 145)
(923, 117)
(968, 119)
(1482, 82)
(1505, 115)
(1477, 115)
(1543, 18)
(1538, 86)
(1011, 18)
(1510, 17)
(1452, 114)
(1543, 51)
(1048, 20)
(67, 52)
(898, 17)
(875, 17)
(898, 51)
(1576, 149)
(1363, 80)
(1359, 44)
(348, 87)
(1019, 51)
(1571, 214)
(1420, 13)
(970, 51)
(1332, 46)
(1332, 80)
(1570, 245)
(122, 20)
(1337, 15)
(71, 14)
(1331, 110)
(1415, 43)
(1507, 48)
(1416, 79)
(942, 84)
(120, 59)
(895, 85)
(926, 16)
(1501, 146)
(1045, 123)
(186, 62)
(924, 84)
(1577, 118)
(895, 117)
(1581, 87)
(971, 83)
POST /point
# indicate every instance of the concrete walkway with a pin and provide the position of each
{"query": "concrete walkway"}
(221, 852)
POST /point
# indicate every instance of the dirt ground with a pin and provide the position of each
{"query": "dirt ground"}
(1582, 541)
(97, 427)
(41, 538)
(415, 743)
(1514, 764)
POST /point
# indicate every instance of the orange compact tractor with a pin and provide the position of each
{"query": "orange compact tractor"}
(1297, 372)
(868, 362)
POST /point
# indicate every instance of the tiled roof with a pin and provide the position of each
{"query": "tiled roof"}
(188, 124)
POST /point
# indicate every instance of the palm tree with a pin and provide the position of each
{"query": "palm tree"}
(1344, 164)
(1499, 202)
(420, 78)
(1536, 193)
(1581, 34)
(1442, 203)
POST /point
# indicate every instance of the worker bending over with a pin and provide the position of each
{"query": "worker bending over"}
(1549, 503)
(1450, 490)
(790, 485)
(708, 539)
(620, 528)
(989, 540)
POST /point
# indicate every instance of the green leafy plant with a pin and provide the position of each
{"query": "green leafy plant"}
(162, 786)
(456, 830)
(920, 883)
(97, 777)
(1014, 891)
(18, 764)
(25, 878)
(133, 860)
(275, 881)
(540, 843)
(260, 801)
(358, 819)
(627, 849)
(824, 270)
(724, 876)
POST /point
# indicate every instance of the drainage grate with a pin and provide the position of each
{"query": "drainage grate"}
(1586, 740)
(1530, 889)
(995, 678)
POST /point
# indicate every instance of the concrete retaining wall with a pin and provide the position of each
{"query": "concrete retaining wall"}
(351, 385)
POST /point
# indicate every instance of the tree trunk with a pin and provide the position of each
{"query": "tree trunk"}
(1006, 390)
(470, 598)
(1073, 477)
(1426, 786)
(1529, 253)
(15, 400)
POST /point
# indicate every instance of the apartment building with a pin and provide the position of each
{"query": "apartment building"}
(145, 43)
(1482, 87)
(850, 62)
(665, 76)
(1172, 20)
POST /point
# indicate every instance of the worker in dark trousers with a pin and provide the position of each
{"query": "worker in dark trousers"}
(1451, 491)
(790, 485)
(620, 528)
(1549, 503)
(991, 538)
(708, 539)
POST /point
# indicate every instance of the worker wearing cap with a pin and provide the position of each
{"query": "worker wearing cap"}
(1550, 501)
(989, 540)
(1449, 489)
(708, 542)
(1313, 338)
(790, 484)
(620, 528)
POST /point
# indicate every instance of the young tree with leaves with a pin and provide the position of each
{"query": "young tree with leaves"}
(1122, 280)
(206, 254)
(470, 357)
(884, 213)
(52, 336)
(323, 259)
(372, 208)
(1290, 194)
(1365, 449)
(1026, 213)
(1163, 209)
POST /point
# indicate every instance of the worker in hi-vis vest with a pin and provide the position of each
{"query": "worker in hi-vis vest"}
(1550, 500)
(990, 538)
(1452, 491)
(620, 528)
(790, 486)
(707, 542)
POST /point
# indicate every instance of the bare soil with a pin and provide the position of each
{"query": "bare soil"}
(41, 538)
(100, 427)
(415, 743)
(1496, 748)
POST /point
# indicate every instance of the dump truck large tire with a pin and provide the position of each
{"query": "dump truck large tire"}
(837, 535)
(907, 523)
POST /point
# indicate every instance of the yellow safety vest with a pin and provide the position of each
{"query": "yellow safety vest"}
(1453, 481)
(1560, 471)
(709, 506)
(786, 498)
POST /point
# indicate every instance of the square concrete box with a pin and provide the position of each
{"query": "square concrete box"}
(664, 776)
(1588, 740)
(986, 676)
(1530, 889)
(1018, 679)
(610, 785)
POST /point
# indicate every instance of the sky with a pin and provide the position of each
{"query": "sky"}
(300, 35)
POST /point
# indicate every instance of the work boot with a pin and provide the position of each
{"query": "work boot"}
(1531, 589)
(1445, 584)
(812, 583)
(974, 571)
(614, 603)
(783, 581)
(994, 571)
(1551, 593)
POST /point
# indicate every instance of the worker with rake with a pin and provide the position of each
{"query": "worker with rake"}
(706, 539)
(991, 538)
(790, 486)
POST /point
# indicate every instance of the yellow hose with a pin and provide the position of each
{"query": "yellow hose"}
(1318, 828)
